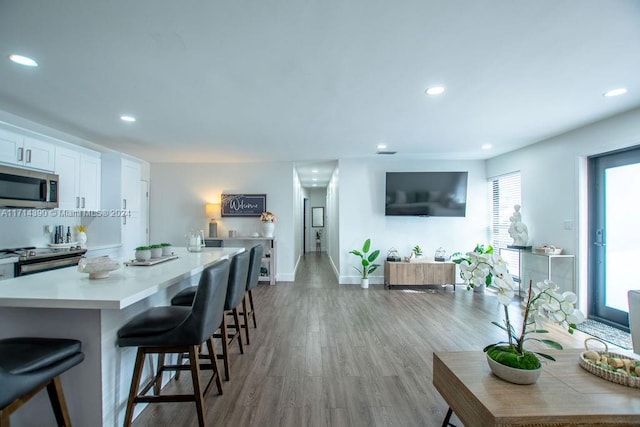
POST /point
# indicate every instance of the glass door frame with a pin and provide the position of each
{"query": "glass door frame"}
(596, 295)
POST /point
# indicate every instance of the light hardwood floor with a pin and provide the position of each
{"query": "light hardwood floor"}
(330, 355)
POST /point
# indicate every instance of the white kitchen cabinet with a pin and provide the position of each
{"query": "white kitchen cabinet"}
(131, 173)
(90, 180)
(121, 192)
(20, 150)
(79, 185)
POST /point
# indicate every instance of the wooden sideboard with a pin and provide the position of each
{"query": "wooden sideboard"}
(419, 273)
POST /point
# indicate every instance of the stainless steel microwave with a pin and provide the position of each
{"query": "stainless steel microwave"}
(24, 188)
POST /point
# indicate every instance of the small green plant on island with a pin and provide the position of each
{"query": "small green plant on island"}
(143, 248)
(165, 245)
(417, 250)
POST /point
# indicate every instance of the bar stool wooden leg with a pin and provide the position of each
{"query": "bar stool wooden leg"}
(214, 364)
(157, 385)
(253, 311)
(225, 347)
(135, 383)
(238, 333)
(194, 363)
(58, 403)
(245, 316)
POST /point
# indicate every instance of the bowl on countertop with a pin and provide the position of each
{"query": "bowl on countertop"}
(98, 267)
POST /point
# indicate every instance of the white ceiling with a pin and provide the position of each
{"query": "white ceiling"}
(314, 81)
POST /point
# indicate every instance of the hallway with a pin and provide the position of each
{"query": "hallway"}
(336, 355)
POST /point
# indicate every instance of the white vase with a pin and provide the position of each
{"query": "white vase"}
(268, 228)
(364, 283)
(514, 375)
(480, 288)
(82, 239)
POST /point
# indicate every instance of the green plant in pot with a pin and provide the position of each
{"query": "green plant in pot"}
(543, 301)
(417, 251)
(367, 261)
(143, 253)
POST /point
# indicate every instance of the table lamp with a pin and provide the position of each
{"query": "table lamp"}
(213, 212)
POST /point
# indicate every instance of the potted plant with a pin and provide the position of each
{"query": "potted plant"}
(156, 251)
(474, 283)
(268, 223)
(143, 253)
(509, 359)
(366, 260)
(166, 249)
(417, 251)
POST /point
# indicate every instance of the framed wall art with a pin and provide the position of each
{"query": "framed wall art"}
(240, 205)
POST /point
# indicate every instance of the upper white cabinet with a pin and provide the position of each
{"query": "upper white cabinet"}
(90, 175)
(38, 154)
(79, 172)
(131, 173)
(20, 150)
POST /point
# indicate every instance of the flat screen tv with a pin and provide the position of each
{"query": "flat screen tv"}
(426, 194)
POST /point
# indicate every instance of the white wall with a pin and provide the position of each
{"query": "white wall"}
(179, 192)
(554, 182)
(361, 213)
(299, 194)
(332, 228)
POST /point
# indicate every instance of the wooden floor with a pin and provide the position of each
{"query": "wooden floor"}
(330, 355)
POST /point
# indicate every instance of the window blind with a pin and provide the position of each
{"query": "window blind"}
(505, 193)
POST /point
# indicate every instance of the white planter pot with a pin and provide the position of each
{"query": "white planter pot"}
(514, 375)
(156, 252)
(268, 228)
(144, 255)
(364, 283)
(166, 250)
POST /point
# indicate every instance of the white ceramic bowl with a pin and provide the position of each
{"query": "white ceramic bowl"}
(98, 267)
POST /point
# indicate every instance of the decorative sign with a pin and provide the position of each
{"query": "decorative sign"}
(243, 204)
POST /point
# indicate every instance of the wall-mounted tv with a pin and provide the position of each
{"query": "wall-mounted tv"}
(426, 194)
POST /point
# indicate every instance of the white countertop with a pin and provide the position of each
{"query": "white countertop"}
(68, 288)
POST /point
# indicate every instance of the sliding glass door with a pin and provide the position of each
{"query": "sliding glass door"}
(614, 241)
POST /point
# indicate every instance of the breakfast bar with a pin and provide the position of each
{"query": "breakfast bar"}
(65, 303)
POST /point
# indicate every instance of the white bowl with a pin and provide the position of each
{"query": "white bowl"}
(98, 267)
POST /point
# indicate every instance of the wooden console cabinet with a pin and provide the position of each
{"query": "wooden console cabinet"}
(419, 273)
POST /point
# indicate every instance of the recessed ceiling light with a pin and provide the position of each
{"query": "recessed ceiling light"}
(314, 179)
(615, 92)
(435, 90)
(486, 146)
(314, 185)
(126, 118)
(314, 171)
(23, 60)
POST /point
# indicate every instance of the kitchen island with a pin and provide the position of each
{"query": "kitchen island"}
(65, 303)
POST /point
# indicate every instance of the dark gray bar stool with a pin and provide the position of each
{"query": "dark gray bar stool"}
(252, 281)
(237, 282)
(177, 329)
(27, 365)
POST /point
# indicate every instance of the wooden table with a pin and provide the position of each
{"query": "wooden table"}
(565, 394)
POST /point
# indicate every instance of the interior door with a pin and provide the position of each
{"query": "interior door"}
(614, 234)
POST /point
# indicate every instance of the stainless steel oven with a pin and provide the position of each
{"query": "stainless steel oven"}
(36, 260)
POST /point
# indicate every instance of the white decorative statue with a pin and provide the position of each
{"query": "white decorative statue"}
(518, 230)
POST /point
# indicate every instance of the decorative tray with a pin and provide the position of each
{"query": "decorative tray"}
(597, 363)
(152, 261)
